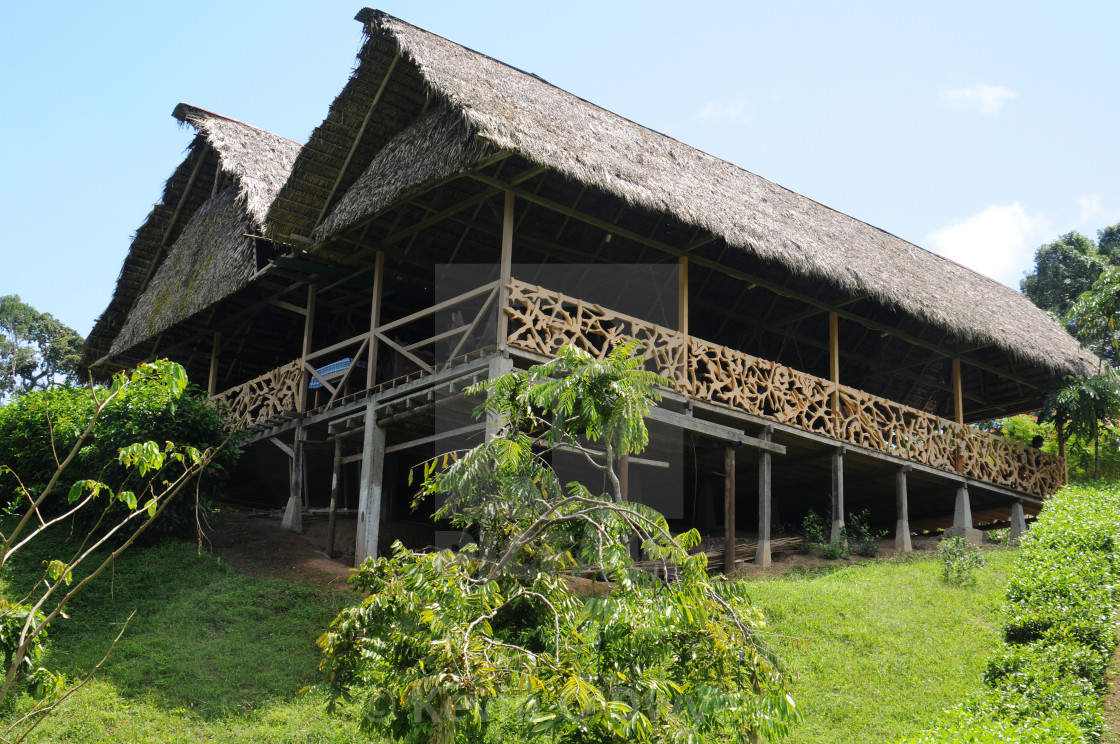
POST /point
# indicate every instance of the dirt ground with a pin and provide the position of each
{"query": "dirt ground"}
(255, 544)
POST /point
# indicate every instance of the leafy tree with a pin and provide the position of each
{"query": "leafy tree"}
(1108, 243)
(671, 656)
(36, 349)
(1063, 270)
(1086, 405)
(155, 473)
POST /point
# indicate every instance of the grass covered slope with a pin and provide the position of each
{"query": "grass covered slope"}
(1045, 682)
(882, 647)
(211, 655)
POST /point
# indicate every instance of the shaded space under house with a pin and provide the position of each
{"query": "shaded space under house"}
(454, 217)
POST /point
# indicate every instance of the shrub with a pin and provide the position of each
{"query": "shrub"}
(863, 540)
(143, 412)
(1044, 684)
(959, 561)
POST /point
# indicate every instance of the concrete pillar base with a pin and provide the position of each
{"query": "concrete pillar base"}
(973, 535)
(293, 515)
(902, 536)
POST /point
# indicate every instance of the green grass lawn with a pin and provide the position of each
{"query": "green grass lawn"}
(882, 647)
(211, 655)
(216, 656)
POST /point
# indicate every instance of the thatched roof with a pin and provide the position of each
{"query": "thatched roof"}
(489, 106)
(192, 250)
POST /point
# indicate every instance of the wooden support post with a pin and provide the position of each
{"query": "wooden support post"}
(958, 413)
(902, 505)
(212, 385)
(505, 271)
(308, 328)
(293, 514)
(837, 496)
(682, 316)
(762, 554)
(1060, 428)
(374, 319)
(336, 486)
(499, 365)
(1018, 522)
(369, 488)
(834, 359)
(729, 510)
(958, 393)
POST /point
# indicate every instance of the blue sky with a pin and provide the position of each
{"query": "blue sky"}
(979, 130)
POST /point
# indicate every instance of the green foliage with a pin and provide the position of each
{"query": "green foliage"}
(959, 561)
(1088, 406)
(1062, 271)
(156, 472)
(859, 535)
(38, 426)
(856, 536)
(37, 351)
(815, 529)
(442, 635)
(1061, 602)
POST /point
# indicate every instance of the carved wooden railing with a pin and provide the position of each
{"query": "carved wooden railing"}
(266, 397)
(542, 321)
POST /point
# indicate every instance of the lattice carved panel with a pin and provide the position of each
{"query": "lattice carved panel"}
(542, 321)
(266, 397)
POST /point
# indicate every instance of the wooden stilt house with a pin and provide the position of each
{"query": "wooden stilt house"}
(453, 217)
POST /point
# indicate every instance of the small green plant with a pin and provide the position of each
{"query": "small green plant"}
(959, 561)
(862, 539)
(815, 529)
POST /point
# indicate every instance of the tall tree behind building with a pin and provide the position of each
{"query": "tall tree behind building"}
(36, 349)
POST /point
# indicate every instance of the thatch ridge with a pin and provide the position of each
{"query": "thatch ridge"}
(518, 112)
(257, 163)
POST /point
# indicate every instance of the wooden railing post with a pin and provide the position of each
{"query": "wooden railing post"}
(506, 271)
(374, 319)
(682, 322)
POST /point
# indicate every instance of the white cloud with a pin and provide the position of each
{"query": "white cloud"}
(1091, 208)
(733, 108)
(989, 98)
(999, 242)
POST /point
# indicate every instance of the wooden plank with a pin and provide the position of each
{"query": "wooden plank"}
(287, 450)
(762, 555)
(958, 397)
(436, 437)
(682, 310)
(716, 431)
(336, 471)
(315, 373)
(436, 308)
(288, 306)
(405, 352)
(336, 347)
(834, 358)
(308, 329)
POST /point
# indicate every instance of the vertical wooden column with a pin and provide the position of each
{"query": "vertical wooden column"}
(958, 413)
(729, 510)
(369, 488)
(837, 495)
(1060, 428)
(308, 329)
(499, 365)
(212, 385)
(293, 513)
(374, 319)
(762, 554)
(624, 476)
(506, 271)
(902, 505)
(336, 486)
(834, 359)
(682, 318)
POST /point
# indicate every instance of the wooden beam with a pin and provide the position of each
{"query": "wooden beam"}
(729, 510)
(834, 358)
(506, 270)
(713, 430)
(436, 437)
(336, 472)
(212, 384)
(308, 329)
(765, 516)
(375, 318)
(958, 398)
(739, 274)
(357, 138)
(170, 226)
